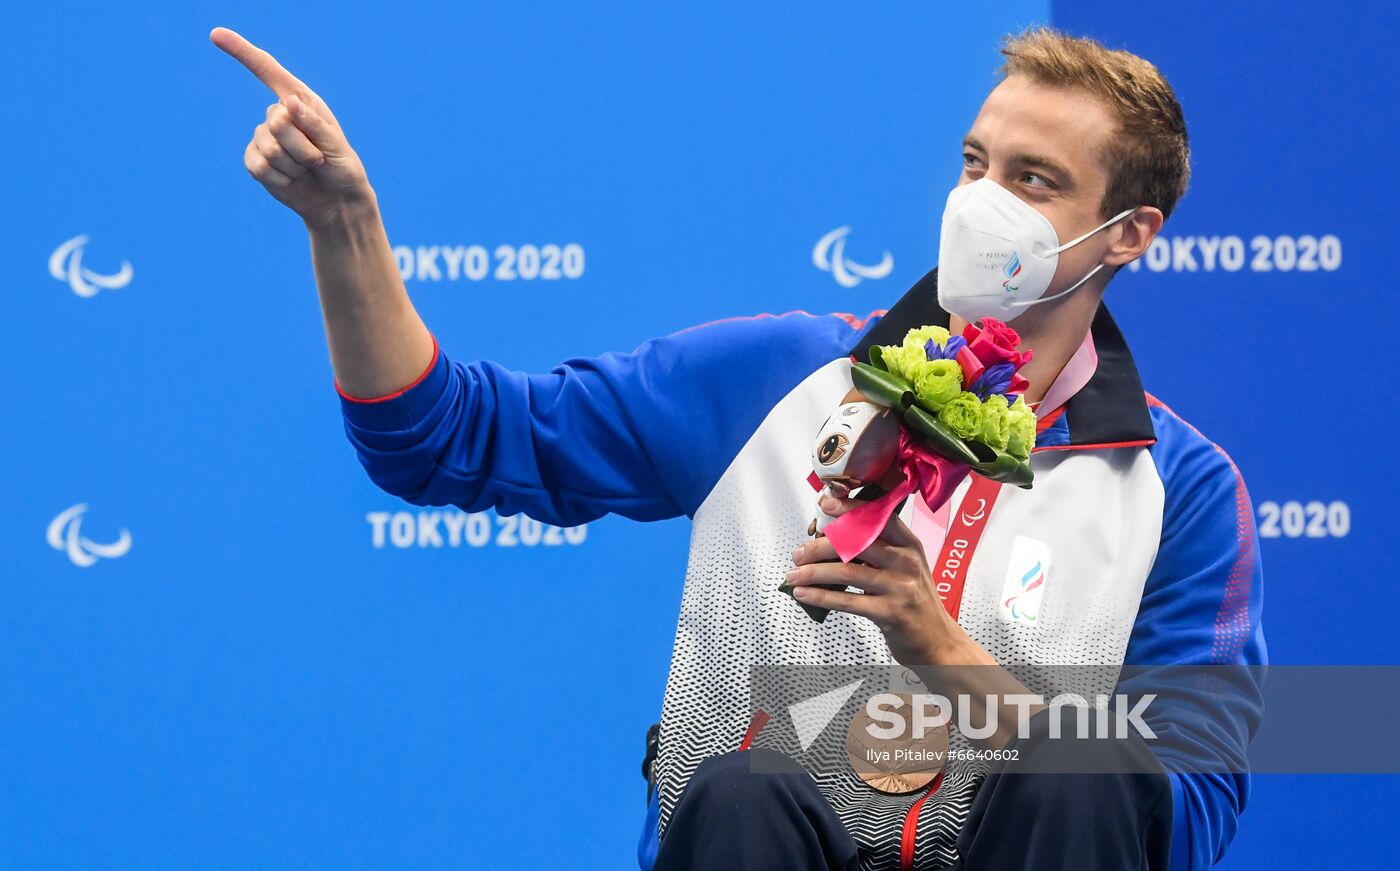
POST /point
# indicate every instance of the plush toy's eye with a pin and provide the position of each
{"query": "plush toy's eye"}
(833, 449)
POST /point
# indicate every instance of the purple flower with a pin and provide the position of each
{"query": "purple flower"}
(995, 379)
(948, 351)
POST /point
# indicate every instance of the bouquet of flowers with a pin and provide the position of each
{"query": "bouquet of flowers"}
(959, 395)
(923, 415)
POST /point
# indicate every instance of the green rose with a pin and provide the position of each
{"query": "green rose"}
(919, 336)
(1022, 430)
(909, 360)
(906, 361)
(996, 422)
(938, 382)
(891, 359)
(962, 414)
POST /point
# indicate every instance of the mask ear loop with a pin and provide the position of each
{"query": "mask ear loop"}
(1071, 243)
(1030, 302)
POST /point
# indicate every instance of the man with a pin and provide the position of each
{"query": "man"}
(1145, 525)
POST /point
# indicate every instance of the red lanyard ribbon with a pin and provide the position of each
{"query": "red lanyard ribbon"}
(965, 528)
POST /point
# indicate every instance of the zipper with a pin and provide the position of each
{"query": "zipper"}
(911, 826)
(911, 819)
(760, 719)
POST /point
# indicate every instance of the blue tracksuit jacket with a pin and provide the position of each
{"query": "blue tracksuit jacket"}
(1150, 525)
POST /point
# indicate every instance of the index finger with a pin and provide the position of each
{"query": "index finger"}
(895, 531)
(258, 62)
(879, 554)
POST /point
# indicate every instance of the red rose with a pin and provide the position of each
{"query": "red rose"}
(995, 343)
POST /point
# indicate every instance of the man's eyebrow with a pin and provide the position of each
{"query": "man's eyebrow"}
(1037, 161)
(1034, 161)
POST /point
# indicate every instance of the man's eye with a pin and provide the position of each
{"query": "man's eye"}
(967, 158)
(1043, 182)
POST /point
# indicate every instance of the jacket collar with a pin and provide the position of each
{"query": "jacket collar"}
(1109, 411)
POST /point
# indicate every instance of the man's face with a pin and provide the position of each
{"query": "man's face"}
(1042, 144)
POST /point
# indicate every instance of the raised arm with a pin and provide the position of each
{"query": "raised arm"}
(643, 434)
(300, 154)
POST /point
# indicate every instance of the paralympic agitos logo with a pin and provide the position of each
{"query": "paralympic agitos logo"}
(66, 265)
(1013, 269)
(65, 534)
(829, 255)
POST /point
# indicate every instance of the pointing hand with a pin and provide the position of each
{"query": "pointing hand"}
(299, 152)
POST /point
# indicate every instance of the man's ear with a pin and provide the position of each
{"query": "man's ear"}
(1139, 229)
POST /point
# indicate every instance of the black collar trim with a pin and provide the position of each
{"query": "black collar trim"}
(1110, 410)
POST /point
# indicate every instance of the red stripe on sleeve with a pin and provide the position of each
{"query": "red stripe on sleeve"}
(396, 393)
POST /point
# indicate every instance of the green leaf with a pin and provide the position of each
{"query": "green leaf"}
(937, 435)
(877, 358)
(1008, 470)
(985, 452)
(881, 387)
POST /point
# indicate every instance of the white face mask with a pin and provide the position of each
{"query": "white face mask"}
(997, 253)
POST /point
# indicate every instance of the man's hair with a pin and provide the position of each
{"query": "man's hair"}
(1148, 157)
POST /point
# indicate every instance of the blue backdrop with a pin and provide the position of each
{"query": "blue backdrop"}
(270, 663)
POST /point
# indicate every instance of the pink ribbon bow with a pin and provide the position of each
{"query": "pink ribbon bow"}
(934, 476)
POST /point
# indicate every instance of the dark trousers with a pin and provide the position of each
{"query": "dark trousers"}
(733, 819)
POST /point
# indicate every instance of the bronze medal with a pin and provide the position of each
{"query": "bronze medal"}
(897, 765)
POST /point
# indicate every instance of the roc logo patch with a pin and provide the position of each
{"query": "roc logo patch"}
(1026, 575)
